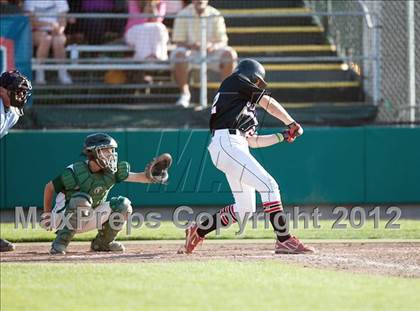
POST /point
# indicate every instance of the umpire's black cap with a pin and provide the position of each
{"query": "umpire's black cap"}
(252, 70)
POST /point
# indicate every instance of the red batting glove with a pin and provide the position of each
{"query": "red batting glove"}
(294, 131)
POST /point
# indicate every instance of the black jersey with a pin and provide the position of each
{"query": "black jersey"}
(234, 104)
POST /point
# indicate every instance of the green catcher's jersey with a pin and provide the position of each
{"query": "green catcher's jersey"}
(78, 178)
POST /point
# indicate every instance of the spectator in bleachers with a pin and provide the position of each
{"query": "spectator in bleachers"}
(172, 8)
(48, 32)
(10, 7)
(148, 35)
(100, 30)
(186, 35)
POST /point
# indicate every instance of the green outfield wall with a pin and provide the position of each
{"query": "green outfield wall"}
(359, 165)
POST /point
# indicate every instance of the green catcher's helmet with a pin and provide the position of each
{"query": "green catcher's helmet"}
(95, 148)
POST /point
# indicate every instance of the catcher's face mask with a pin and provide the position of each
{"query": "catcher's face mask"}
(107, 158)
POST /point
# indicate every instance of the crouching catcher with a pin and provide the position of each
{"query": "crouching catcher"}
(81, 203)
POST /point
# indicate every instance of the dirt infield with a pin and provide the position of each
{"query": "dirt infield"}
(391, 258)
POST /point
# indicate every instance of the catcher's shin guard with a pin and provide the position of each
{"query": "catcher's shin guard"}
(61, 241)
(65, 235)
(105, 240)
(192, 240)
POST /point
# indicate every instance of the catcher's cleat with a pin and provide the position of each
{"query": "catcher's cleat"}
(192, 240)
(293, 246)
(111, 247)
(54, 251)
(6, 246)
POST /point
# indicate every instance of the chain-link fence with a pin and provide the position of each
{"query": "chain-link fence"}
(352, 29)
(393, 19)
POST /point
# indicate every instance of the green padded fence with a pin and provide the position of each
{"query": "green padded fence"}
(325, 166)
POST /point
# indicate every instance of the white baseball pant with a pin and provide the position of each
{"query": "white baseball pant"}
(95, 221)
(230, 154)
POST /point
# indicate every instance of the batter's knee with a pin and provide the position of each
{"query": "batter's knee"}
(270, 192)
(274, 186)
(121, 205)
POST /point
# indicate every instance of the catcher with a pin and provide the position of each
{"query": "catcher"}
(82, 190)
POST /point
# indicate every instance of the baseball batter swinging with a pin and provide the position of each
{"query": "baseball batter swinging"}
(233, 126)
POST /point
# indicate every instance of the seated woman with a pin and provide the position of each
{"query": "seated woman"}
(148, 36)
(48, 25)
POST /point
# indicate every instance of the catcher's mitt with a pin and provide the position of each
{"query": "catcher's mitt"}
(157, 169)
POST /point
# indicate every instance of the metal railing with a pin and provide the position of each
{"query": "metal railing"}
(354, 46)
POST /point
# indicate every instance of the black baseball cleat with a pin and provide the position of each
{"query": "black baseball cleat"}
(6, 246)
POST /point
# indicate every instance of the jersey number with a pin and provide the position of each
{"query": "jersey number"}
(213, 106)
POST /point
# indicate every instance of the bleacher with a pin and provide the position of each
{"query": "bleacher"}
(309, 78)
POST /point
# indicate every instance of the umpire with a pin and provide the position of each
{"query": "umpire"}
(15, 90)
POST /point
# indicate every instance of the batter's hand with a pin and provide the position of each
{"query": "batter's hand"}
(294, 131)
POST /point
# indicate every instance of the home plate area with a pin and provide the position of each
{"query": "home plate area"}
(385, 258)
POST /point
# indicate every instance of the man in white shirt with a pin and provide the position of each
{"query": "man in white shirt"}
(15, 89)
(186, 35)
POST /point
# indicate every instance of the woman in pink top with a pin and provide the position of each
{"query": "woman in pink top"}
(148, 36)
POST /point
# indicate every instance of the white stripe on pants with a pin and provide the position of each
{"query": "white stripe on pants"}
(230, 154)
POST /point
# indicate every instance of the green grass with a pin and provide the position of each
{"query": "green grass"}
(409, 229)
(213, 285)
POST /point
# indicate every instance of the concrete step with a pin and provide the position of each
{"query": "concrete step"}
(96, 88)
(169, 116)
(251, 4)
(320, 91)
(285, 17)
(325, 94)
(248, 50)
(104, 99)
(275, 21)
(274, 30)
(309, 72)
(296, 37)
